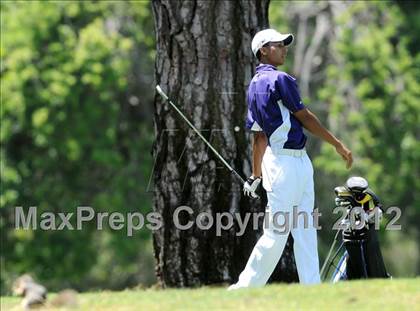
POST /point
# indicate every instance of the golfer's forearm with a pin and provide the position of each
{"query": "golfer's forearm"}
(313, 125)
(258, 148)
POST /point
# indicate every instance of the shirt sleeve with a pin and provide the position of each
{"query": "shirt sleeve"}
(287, 87)
(251, 124)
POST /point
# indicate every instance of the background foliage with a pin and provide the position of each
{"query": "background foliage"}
(76, 130)
(76, 112)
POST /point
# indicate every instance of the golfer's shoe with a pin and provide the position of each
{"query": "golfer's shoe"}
(233, 287)
(251, 186)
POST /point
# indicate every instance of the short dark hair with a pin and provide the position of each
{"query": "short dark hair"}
(259, 52)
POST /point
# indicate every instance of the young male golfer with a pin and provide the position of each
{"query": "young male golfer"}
(277, 116)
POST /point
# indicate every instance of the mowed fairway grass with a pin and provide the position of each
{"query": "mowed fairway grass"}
(396, 294)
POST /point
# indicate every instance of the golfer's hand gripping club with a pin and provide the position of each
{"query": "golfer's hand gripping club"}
(251, 186)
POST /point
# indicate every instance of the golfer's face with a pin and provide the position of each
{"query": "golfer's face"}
(278, 53)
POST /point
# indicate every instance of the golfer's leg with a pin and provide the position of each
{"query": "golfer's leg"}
(270, 246)
(306, 254)
(263, 260)
(305, 239)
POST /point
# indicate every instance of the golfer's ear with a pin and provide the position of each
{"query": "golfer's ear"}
(263, 51)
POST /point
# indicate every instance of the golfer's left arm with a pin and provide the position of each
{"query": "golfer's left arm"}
(258, 148)
(313, 125)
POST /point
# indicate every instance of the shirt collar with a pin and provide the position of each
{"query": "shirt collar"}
(265, 67)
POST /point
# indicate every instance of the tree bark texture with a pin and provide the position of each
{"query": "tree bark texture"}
(204, 63)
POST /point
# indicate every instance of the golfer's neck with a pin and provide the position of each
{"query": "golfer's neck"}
(266, 62)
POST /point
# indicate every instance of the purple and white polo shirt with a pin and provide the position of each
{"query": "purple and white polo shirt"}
(273, 97)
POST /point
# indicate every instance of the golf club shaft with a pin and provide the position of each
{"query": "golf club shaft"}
(164, 96)
(329, 254)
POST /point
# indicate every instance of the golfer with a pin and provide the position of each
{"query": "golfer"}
(277, 116)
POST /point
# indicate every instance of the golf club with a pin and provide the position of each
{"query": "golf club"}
(165, 97)
(327, 260)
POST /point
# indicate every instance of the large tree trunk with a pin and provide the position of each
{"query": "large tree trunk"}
(204, 62)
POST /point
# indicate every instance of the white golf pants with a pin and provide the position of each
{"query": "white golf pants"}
(288, 179)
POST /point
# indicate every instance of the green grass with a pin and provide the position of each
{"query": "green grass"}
(397, 294)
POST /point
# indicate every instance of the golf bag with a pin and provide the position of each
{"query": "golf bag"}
(362, 257)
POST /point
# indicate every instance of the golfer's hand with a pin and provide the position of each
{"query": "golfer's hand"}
(345, 154)
(251, 186)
